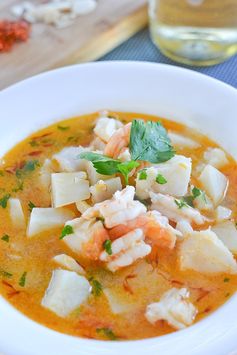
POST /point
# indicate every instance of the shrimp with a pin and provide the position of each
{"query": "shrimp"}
(126, 250)
(120, 209)
(119, 141)
(87, 238)
(156, 229)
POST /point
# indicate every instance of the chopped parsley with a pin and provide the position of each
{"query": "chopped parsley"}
(66, 231)
(97, 288)
(63, 128)
(31, 205)
(142, 174)
(29, 166)
(226, 279)
(196, 192)
(107, 245)
(160, 179)
(33, 143)
(22, 280)
(4, 200)
(20, 187)
(5, 238)
(180, 203)
(107, 332)
(1, 173)
(5, 273)
(149, 141)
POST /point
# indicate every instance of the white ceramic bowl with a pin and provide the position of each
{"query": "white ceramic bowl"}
(178, 94)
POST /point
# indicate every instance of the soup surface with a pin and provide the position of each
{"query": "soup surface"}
(141, 266)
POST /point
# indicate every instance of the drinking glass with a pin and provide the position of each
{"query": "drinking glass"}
(194, 32)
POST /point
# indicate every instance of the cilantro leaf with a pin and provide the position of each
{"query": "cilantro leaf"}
(4, 200)
(126, 167)
(96, 286)
(142, 174)
(31, 205)
(20, 187)
(5, 273)
(107, 332)
(196, 192)
(67, 230)
(107, 245)
(160, 179)
(102, 164)
(188, 200)
(22, 280)
(29, 166)
(181, 203)
(5, 238)
(226, 279)
(63, 128)
(150, 142)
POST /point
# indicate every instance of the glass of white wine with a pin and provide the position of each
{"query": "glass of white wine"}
(194, 32)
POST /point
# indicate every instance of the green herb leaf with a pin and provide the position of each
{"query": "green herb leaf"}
(5, 273)
(160, 179)
(107, 166)
(4, 200)
(1, 173)
(103, 165)
(97, 288)
(33, 143)
(180, 203)
(142, 174)
(150, 142)
(226, 279)
(29, 166)
(107, 332)
(66, 231)
(31, 205)
(188, 200)
(196, 192)
(22, 280)
(126, 167)
(63, 128)
(107, 245)
(5, 238)
(19, 187)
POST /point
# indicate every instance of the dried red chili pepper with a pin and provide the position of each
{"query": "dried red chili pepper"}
(12, 32)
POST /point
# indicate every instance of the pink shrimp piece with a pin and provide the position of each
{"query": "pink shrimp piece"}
(94, 246)
(118, 142)
(158, 233)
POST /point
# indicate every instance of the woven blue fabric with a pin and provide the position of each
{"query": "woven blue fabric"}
(140, 47)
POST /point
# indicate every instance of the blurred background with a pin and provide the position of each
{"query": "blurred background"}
(36, 36)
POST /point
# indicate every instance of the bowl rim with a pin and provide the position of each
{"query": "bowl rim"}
(107, 347)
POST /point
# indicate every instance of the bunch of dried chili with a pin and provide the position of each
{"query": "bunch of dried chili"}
(12, 32)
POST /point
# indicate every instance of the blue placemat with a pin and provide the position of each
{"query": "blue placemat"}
(140, 47)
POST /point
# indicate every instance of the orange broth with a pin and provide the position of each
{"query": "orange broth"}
(136, 286)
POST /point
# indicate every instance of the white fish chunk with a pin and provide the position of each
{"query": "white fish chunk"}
(222, 213)
(215, 157)
(67, 159)
(173, 307)
(43, 219)
(227, 233)
(16, 213)
(69, 263)
(169, 207)
(180, 141)
(103, 190)
(105, 127)
(69, 188)
(176, 171)
(214, 183)
(66, 291)
(204, 252)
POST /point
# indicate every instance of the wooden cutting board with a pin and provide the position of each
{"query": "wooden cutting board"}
(87, 39)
